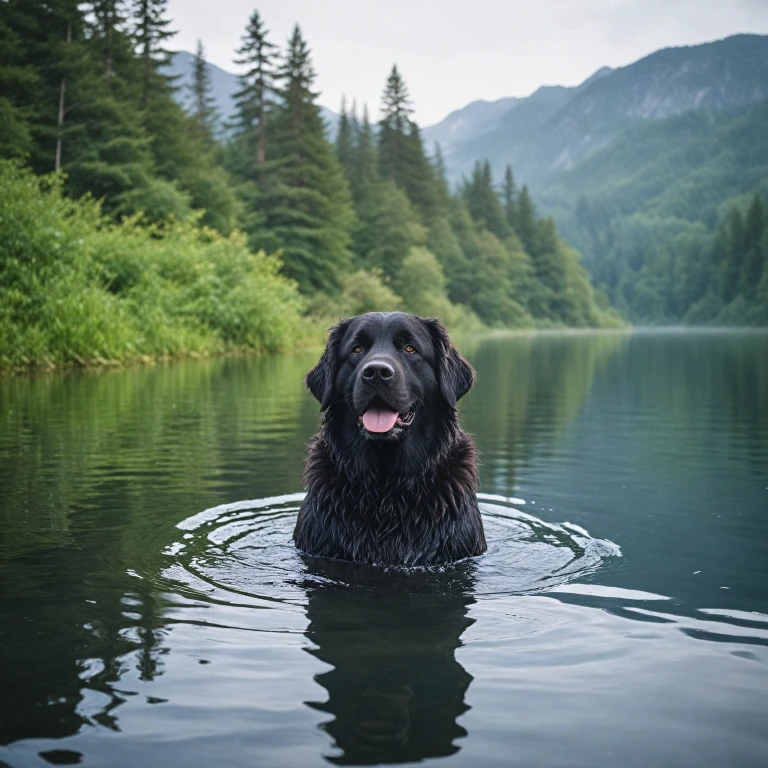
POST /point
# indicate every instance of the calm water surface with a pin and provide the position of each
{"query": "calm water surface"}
(154, 613)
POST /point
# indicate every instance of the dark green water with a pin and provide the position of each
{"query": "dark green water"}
(150, 615)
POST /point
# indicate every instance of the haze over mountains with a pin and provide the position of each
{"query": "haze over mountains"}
(556, 127)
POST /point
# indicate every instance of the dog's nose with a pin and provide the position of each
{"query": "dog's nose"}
(378, 369)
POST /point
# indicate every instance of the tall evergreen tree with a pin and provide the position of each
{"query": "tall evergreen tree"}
(204, 110)
(526, 221)
(391, 228)
(509, 198)
(304, 197)
(152, 30)
(394, 152)
(483, 203)
(345, 141)
(253, 100)
(755, 227)
(442, 195)
(730, 280)
(109, 17)
(71, 59)
(365, 175)
(401, 153)
(548, 258)
(20, 80)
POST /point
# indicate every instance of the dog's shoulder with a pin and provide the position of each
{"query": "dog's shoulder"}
(318, 465)
(458, 465)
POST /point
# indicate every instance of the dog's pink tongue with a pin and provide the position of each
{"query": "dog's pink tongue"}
(377, 420)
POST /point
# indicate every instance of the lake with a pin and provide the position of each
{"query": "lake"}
(153, 611)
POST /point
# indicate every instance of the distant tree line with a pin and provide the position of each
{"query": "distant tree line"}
(663, 274)
(671, 218)
(366, 222)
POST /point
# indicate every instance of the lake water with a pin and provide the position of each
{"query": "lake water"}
(153, 611)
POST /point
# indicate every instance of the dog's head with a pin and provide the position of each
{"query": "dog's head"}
(385, 373)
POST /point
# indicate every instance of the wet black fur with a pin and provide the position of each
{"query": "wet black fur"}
(406, 497)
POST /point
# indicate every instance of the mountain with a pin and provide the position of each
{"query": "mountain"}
(477, 117)
(653, 171)
(556, 127)
(224, 86)
(481, 117)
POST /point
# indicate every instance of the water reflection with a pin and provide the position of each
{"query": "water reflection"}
(108, 610)
(530, 388)
(395, 688)
(69, 660)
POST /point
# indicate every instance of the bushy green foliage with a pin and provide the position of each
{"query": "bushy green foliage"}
(423, 290)
(77, 287)
(361, 291)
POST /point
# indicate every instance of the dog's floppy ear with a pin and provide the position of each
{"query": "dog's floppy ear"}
(320, 379)
(455, 375)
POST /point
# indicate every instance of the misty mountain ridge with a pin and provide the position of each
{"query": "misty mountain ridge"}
(482, 116)
(556, 127)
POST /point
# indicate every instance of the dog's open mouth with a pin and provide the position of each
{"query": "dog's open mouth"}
(382, 420)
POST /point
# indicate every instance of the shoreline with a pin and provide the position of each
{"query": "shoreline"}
(143, 361)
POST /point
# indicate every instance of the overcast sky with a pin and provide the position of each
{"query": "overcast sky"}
(452, 52)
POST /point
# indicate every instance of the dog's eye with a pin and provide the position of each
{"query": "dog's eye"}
(409, 348)
(358, 350)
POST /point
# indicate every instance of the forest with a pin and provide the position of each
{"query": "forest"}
(132, 228)
(671, 217)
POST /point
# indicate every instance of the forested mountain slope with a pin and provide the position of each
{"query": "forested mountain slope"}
(646, 170)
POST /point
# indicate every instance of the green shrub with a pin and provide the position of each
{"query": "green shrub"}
(76, 287)
(362, 291)
(422, 286)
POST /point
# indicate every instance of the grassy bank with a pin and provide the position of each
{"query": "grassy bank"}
(77, 288)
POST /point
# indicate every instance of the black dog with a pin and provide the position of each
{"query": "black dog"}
(391, 478)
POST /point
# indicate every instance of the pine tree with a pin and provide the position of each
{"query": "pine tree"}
(401, 153)
(304, 198)
(151, 33)
(734, 256)
(394, 152)
(345, 141)
(354, 120)
(204, 110)
(509, 198)
(109, 17)
(58, 87)
(392, 230)
(755, 226)
(438, 163)
(71, 59)
(421, 183)
(19, 81)
(253, 100)
(548, 258)
(483, 203)
(526, 221)
(365, 175)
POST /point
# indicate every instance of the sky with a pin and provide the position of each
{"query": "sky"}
(452, 52)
